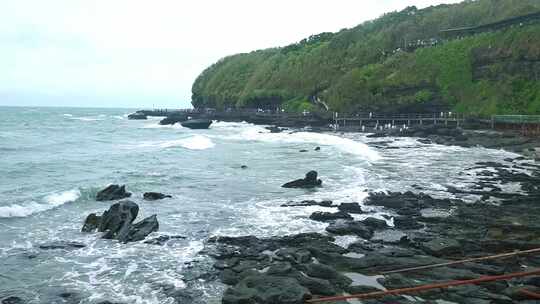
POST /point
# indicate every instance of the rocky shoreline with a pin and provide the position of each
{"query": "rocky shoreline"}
(422, 231)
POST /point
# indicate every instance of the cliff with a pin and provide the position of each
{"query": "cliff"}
(400, 62)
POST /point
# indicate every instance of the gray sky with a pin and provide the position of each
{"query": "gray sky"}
(135, 53)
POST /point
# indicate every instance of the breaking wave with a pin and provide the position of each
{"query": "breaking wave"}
(50, 201)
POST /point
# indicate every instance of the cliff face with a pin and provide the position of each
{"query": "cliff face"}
(498, 64)
(367, 69)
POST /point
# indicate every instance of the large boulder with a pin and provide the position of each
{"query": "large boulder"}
(329, 216)
(140, 230)
(137, 116)
(310, 181)
(112, 192)
(351, 208)
(117, 223)
(154, 196)
(375, 223)
(266, 289)
(344, 227)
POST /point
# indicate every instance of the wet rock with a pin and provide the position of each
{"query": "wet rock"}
(137, 116)
(293, 255)
(112, 192)
(62, 245)
(406, 223)
(303, 150)
(375, 223)
(140, 230)
(164, 239)
(354, 208)
(308, 203)
(91, 223)
(116, 221)
(329, 216)
(310, 181)
(154, 196)
(344, 227)
(317, 149)
(265, 289)
(441, 247)
(13, 300)
(243, 167)
(326, 272)
(274, 129)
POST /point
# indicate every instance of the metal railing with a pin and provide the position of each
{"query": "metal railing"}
(516, 119)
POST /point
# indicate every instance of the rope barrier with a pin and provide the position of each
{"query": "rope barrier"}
(485, 258)
(378, 294)
(531, 294)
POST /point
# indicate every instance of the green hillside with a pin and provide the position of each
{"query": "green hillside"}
(377, 66)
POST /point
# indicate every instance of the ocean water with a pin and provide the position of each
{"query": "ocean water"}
(54, 160)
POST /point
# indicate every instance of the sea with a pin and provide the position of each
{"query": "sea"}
(53, 161)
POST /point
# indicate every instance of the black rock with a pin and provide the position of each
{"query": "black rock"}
(172, 119)
(243, 167)
(91, 223)
(351, 208)
(308, 203)
(196, 123)
(344, 227)
(140, 230)
(137, 116)
(274, 129)
(112, 192)
(375, 223)
(406, 223)
(310, 181)
(154, 196)
(62, 245)
(317, 148)
(303, 150)
(265, 289)
(116, 221)
(163, 239)
(329, 216)
(13, 300)
(441, 247)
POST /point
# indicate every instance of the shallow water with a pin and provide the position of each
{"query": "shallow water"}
(54, 160)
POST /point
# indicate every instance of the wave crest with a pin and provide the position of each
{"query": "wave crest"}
(50, 201)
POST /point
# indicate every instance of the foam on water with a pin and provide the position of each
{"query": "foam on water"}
(158, 126)
(195, 142)
(51, 201)
(257, 133)
(85, 118)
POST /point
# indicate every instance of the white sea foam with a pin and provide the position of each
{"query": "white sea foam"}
(51, 201)
(85, 118)
(158, 126)
(255, 133)
(195, 142)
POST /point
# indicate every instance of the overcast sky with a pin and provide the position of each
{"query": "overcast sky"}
(129, 53)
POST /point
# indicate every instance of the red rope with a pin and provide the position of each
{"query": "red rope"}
(407, 290)
(485, 258)
(531, 294)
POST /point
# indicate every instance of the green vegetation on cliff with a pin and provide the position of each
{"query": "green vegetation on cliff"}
(373, 67)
